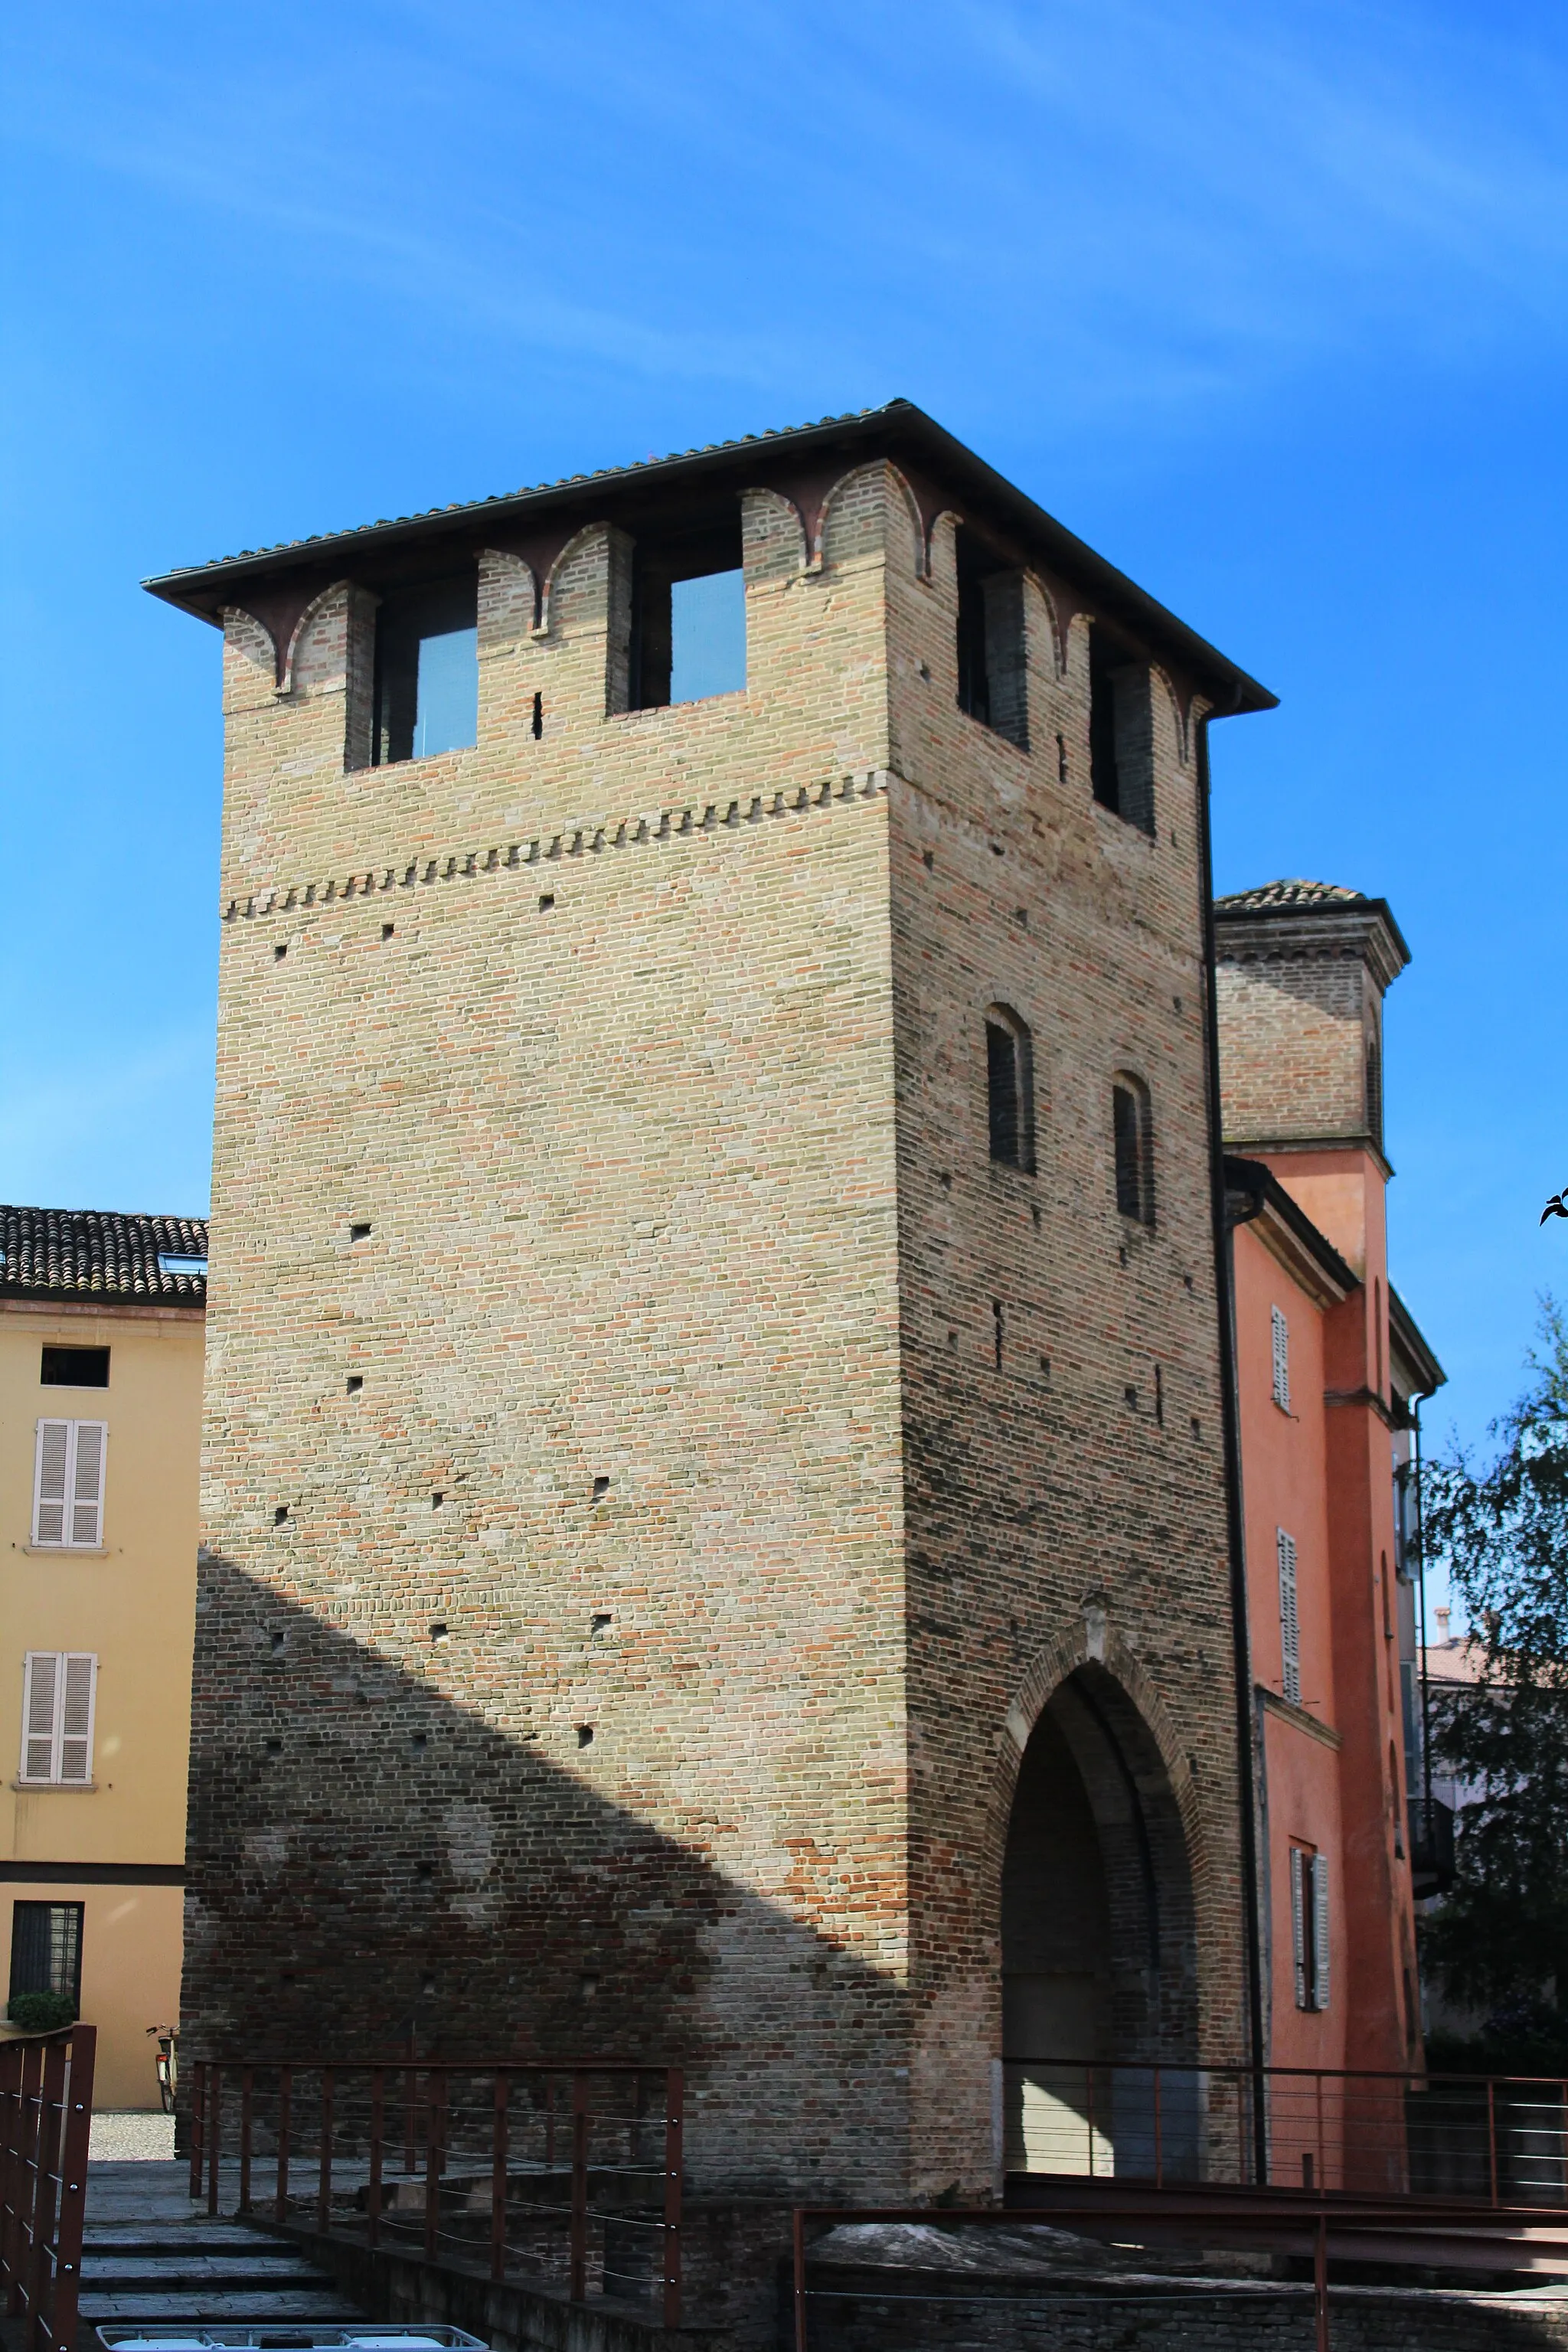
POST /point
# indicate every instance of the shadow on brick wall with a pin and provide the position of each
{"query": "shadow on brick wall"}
(369, 1856)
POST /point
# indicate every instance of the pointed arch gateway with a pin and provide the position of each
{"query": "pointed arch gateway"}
(1099, 1941)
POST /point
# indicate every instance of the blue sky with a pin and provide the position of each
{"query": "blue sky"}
(1268, 303)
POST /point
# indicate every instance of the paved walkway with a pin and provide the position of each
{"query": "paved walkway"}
(151, 2256)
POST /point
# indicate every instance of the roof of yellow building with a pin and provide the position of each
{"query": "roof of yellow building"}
(100, 1254)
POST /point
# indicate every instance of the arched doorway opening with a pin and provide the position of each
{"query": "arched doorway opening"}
(1099, 1952)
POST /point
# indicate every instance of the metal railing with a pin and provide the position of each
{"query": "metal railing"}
(561, 2177)
(1494, 2140)
(882, 2294)
(46, 2116)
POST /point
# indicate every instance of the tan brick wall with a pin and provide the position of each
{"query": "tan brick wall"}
(655, 1178)
(1297, 1012)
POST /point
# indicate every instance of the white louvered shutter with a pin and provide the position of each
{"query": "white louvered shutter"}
(1282, 1330)
(40, 1694)
(50, 1482)
(1290, 1621)
(81, 1673)
(1320, 1931)
(86, 1482)
(1299, 1921)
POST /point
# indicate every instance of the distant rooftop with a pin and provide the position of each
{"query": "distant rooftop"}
(95, 1253)
(1291, 894)
(1248, 917)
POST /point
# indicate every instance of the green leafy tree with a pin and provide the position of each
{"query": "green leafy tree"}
(1498, 1942)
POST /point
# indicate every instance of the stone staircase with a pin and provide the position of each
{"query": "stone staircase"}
(151, 2257)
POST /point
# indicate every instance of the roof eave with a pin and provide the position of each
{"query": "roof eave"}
(1232, 688)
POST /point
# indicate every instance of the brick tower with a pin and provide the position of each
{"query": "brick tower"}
(714, 1512)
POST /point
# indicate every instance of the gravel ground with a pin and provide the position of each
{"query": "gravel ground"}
(132, 2138)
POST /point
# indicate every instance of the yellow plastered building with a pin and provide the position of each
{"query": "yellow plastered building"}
(101, 1323)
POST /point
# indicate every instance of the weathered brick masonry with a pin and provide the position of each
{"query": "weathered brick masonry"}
(641, 1659)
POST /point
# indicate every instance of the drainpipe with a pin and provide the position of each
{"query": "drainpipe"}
(1230, 1414)
(1417, 1402)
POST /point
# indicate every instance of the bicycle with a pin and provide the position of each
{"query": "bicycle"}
(168, 2064)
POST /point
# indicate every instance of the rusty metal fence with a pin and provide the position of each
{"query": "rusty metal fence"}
(844, 2305)
(45, 2115)
(1498, 2140)
(564, 2177)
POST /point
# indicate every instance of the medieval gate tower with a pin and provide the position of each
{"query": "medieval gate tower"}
(715, 1537)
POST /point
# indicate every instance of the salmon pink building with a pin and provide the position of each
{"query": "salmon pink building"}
(1328, 1366)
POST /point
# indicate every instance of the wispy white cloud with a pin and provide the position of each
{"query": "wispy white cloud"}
(1142, 203)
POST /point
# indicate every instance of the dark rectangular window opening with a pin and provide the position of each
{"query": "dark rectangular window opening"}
(426, 670)
(1103, 768)
(75, 1368)
(688, 617)
(1121, 734)
(1010, 1088)
(991, 656)
(45, 1948)
(1130, 1140)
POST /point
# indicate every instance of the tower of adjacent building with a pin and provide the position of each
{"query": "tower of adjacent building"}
(714, 1515)
(1302, 969)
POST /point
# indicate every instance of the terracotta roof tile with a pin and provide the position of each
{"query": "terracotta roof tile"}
(1290, 894)
(91, 1253)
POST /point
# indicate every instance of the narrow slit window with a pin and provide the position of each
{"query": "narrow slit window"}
(1280, 1334)
(58, 1696)
(1120, 732)
(1289, 1617)
(1309, 1925)
(1319, 1883)
(68, 1484)
(426, 670)
(1375, 1091)
(1131, 1142)
(992, 651)
(1010, 1088)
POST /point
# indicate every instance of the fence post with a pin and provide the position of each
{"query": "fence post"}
(10, 2108)
(434, 2138)
(25, 2177)
(578, 2287)
(285, 2095)
(325, 2182)
(1159, 2168)
(674, 2122)
(377, 2132)
(215, 2132)
(198, 2116)
(78, 2122)
(50, 2139)
(799, 2234)
(1491, 2133)
(1320, 2279)
(247, 2087)
(498, 2176)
